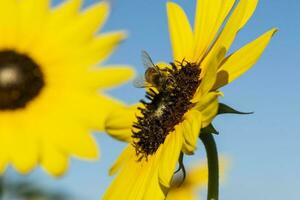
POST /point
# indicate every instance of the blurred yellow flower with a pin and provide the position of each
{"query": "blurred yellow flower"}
(182, 98)
(195, 181)
(49, 81)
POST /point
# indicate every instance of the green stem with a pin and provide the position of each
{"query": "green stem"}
(213, 165)
(1, 187)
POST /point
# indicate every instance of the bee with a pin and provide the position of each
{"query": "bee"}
(161, 79)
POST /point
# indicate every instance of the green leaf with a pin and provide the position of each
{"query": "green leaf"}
(225, 109)
(210, 129)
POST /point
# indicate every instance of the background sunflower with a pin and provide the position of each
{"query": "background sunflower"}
(49, 99)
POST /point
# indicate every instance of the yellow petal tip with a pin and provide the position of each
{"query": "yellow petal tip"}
(275, 30)
(172, 5)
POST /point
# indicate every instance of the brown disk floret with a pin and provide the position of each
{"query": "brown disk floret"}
(21, 80)
(166, 108)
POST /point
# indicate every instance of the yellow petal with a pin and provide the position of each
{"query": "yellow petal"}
(53, 161)
(237, 20)
(154, 189)
(20, 149)
(181, 34)
(3, 164)
(249, 10)
(209, 73)
(97, 109)
(138, 179)
(126, 155)
(242, 60)
(132, 178)
(61, 17)
(94, 52)
(100, 48)
(206, 100)
(151, 187)
(170, 153)
(119, 123)
(210, 15)
(125, 180)
(25, 153)
(8, 23)
(140, 185)
(110, 76)
(32, 14)
(195, 122)
(66, 10)
(78, 142)
(63, 14)
(187, 146)
(208, 107)
(192, 125)
(87, 24)
(209, 113)
(208, 79)
(3, 155)
(182, 192)
(198, 175)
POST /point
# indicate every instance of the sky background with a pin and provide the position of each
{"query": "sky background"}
(263, 147)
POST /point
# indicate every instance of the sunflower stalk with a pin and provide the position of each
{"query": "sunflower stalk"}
(1, 186)
(213, 165)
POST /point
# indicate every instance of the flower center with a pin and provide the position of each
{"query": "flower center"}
(21, 80)
(165, 108)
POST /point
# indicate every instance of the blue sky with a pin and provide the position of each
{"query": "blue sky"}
(263, 147)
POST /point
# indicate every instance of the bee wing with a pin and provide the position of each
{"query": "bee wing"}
(140, 82)
(147, 61)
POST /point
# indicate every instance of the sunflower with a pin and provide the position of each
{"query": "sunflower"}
(166, 125)
(197, 178)
(49, 82)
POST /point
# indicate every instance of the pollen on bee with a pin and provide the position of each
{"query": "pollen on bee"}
(160, 110)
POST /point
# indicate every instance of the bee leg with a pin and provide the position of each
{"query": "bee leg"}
(173, 65)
